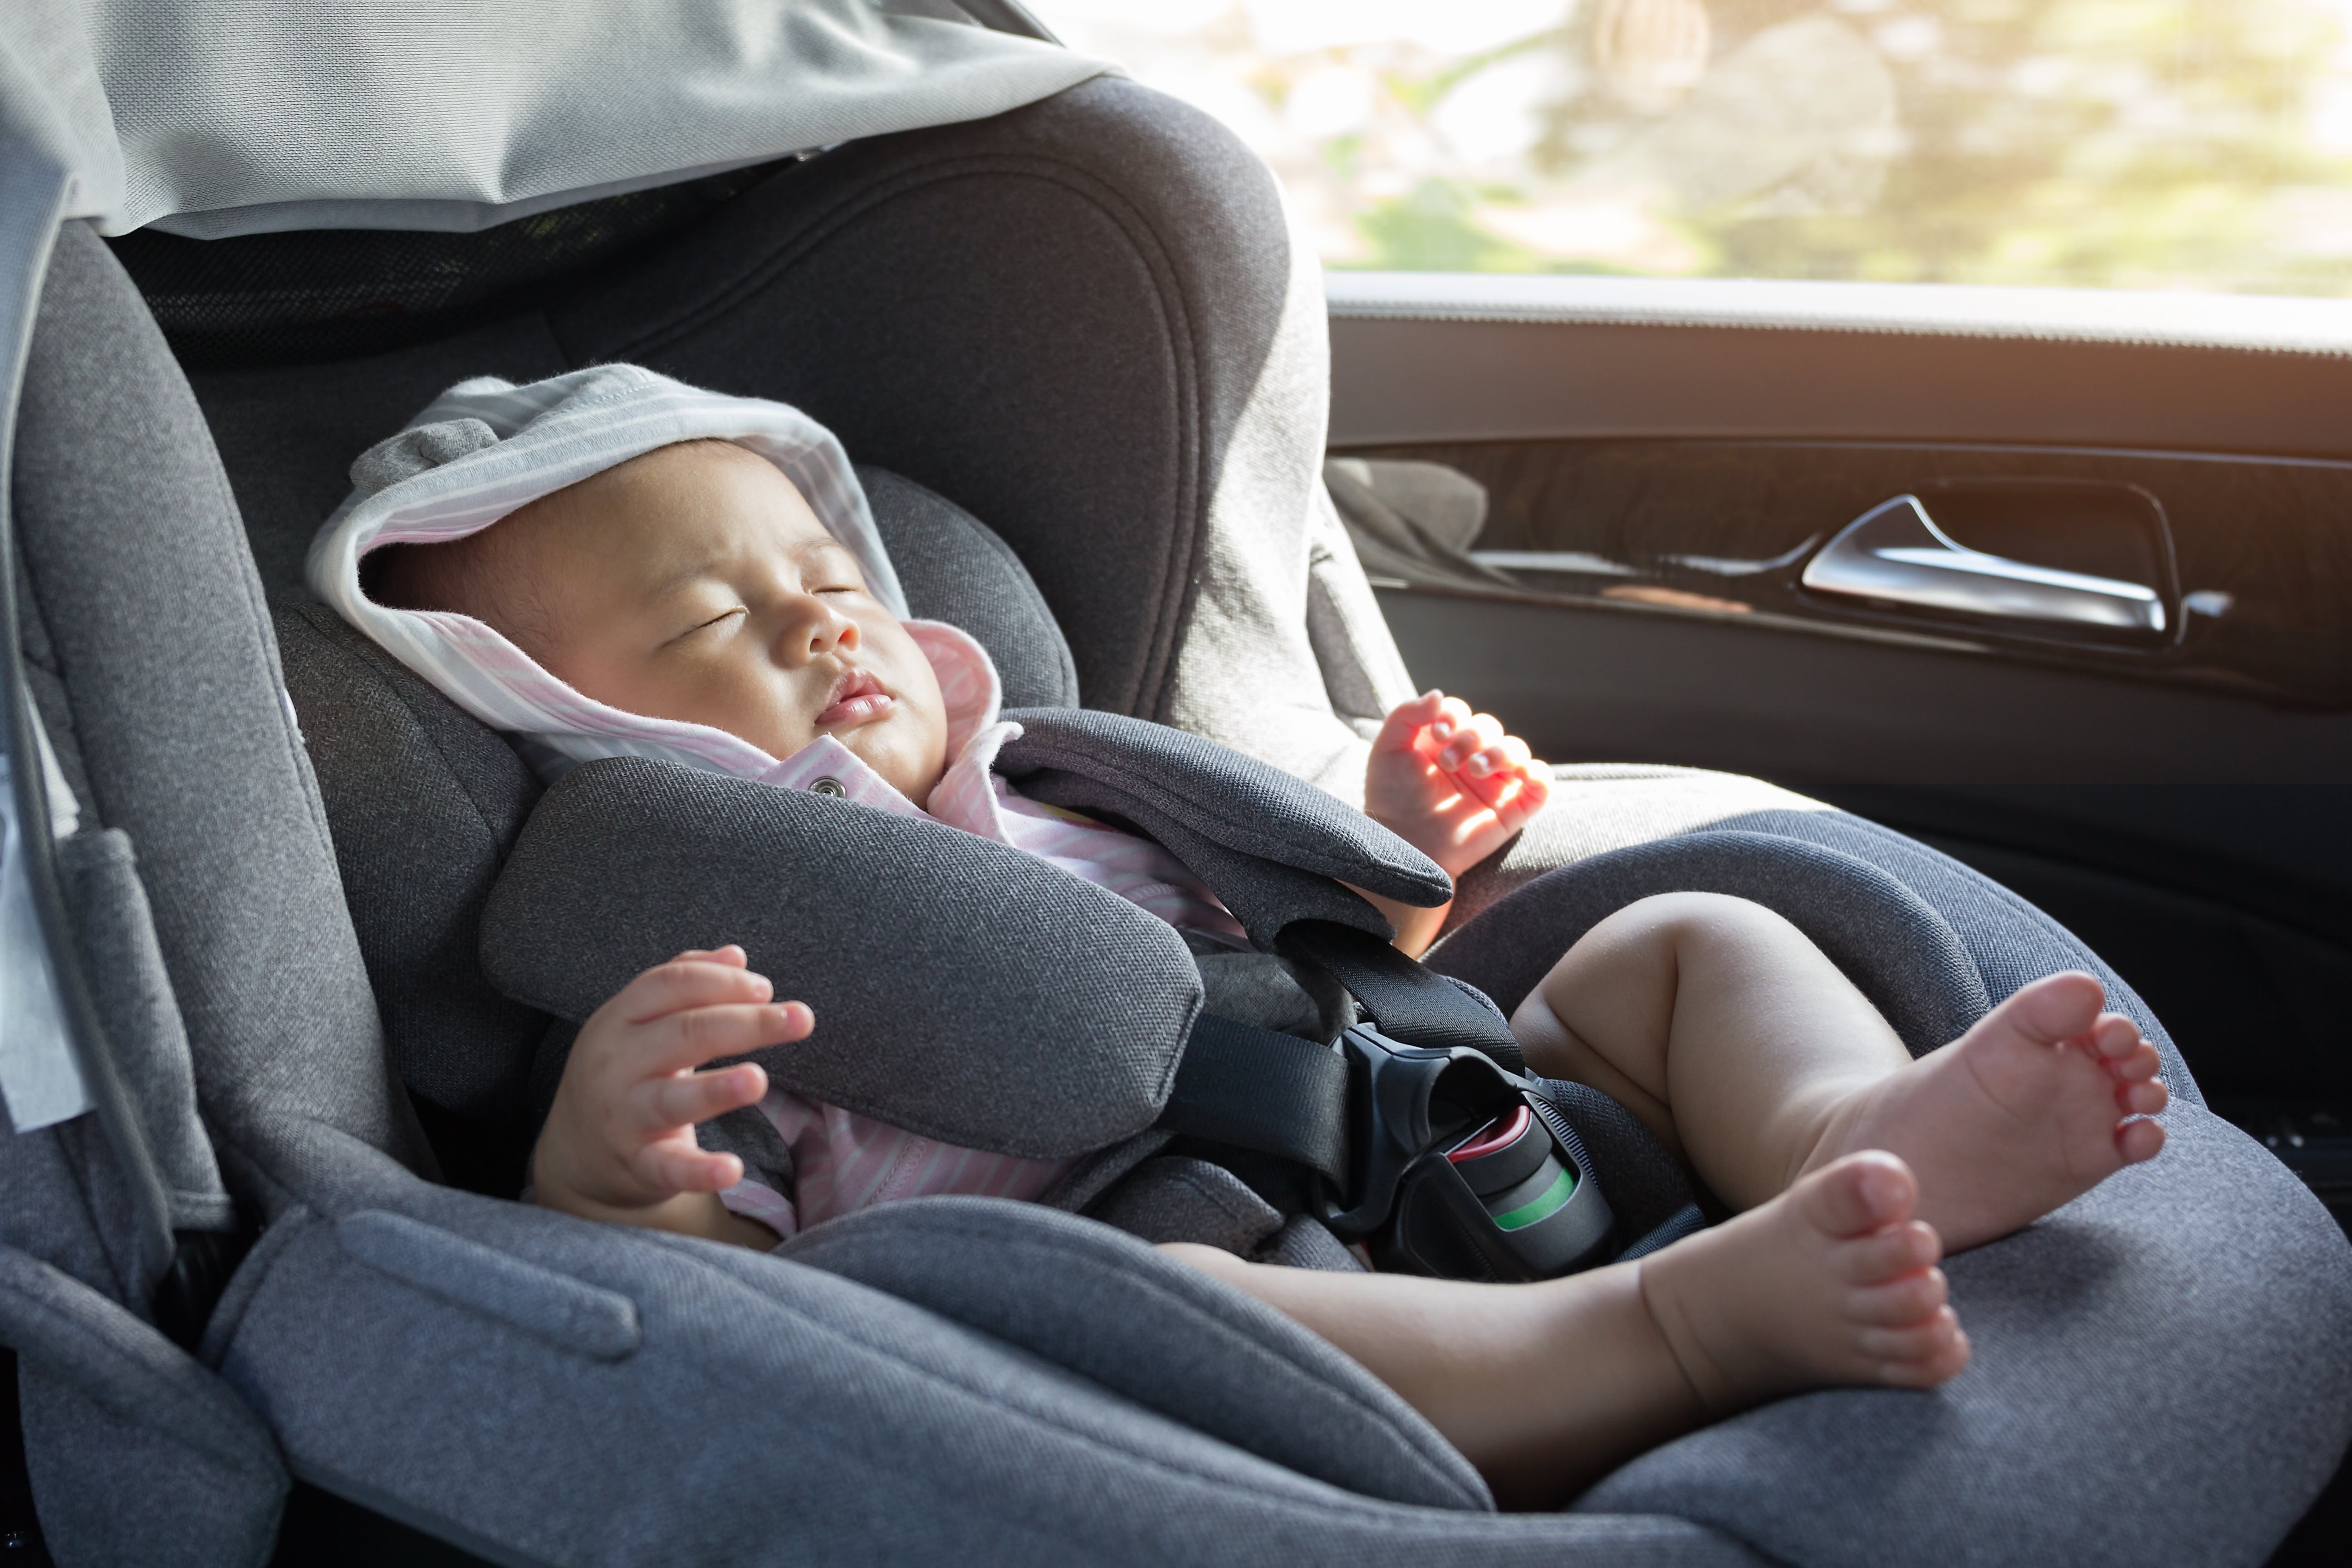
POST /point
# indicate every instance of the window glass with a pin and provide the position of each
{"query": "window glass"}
(2109, 144)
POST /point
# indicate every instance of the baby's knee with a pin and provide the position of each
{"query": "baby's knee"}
(1689, 921)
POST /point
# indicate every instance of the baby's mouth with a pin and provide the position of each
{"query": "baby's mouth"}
(857, 699)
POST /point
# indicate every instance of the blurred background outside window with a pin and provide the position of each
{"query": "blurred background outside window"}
(2197, 144)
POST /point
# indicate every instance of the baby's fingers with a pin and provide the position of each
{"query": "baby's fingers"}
(693, 1036)
(677, 1167)
(1479, 734)
(660, 1104)
(689, 980)
(1519, 805)
(1406, 720)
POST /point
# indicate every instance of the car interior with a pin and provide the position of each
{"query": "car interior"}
(1983, 633)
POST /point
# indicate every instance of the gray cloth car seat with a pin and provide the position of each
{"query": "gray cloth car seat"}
(2161, 1375)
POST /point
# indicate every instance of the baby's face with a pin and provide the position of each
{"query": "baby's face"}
(694, 583)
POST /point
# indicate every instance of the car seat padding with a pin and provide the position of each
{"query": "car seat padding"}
(1888, 941)
(423, 802)
(919, 946)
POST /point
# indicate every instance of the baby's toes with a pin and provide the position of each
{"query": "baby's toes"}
(2142, 1098)
(1858, 1194)
(1920, 1356)
(1898, 1302)
(2058, 1007)
(1892, 1253)
(2138, 1141)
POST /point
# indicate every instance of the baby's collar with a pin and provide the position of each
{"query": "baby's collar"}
(972, 697)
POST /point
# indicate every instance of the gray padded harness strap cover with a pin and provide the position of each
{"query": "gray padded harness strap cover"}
(919, 947)
(1270, 847)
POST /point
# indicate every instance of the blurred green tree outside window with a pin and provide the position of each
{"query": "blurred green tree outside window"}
(2194, 144)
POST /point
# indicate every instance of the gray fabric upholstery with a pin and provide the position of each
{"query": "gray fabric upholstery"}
(165, 652)
(1177, 1199)
(1269, 847)
(889, 1389)
(914, 943)
(138, 1454)
(117, 938)
(424, 804)
(970, 1260)
(1897, 951)
(1273, 993)
(954, 568)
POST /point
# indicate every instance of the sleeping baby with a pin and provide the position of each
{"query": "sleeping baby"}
(610, 564)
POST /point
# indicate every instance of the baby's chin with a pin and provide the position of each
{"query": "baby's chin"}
(911, 756)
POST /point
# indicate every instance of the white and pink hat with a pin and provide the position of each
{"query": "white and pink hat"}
(487, 446)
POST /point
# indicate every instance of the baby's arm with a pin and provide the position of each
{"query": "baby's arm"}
(1451, 784)
(619, 1141)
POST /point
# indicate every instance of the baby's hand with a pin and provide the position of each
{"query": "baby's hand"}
(619, 1143)
(1450, 783)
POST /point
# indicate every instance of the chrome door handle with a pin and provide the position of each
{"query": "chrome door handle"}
(1895, 554)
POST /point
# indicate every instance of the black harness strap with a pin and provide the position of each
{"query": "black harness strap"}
(1410, 1002)
(1263, 1090)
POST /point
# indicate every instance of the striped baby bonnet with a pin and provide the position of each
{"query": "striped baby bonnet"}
(486, 448)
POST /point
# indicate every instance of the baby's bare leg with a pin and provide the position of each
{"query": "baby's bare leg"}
(1738, 1042)
(1716, 1023)
(1545, 1387)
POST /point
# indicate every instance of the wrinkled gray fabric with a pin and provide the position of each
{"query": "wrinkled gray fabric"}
(954, 568)
(137, 1453)
(1895, 948)
(894, 929)
(133, 548)
(253, 116)
(1272, 991)
(1268, 846)
(133, 996)
(424, 804)
(1177, 1199)
(1304, 1243)
(747, 1135)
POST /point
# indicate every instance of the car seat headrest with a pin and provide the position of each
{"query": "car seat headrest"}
(954, 568)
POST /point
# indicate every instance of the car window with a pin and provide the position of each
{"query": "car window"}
(2203, 144)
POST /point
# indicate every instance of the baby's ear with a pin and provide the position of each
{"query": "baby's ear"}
(416, 451)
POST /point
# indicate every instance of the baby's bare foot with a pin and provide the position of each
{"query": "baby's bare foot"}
(1833, 1282)
(2024, 1112)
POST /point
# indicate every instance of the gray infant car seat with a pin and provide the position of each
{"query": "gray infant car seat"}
(1055, 318)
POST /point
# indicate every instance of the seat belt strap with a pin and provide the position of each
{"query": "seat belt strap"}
(1260, 1089)
(1411, 1003)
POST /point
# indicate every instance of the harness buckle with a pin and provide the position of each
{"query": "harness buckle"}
(1461, 1169)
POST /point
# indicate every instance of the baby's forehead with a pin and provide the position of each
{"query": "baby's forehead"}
(673, 509)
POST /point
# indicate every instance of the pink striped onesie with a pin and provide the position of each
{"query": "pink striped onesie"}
(843, 1162)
